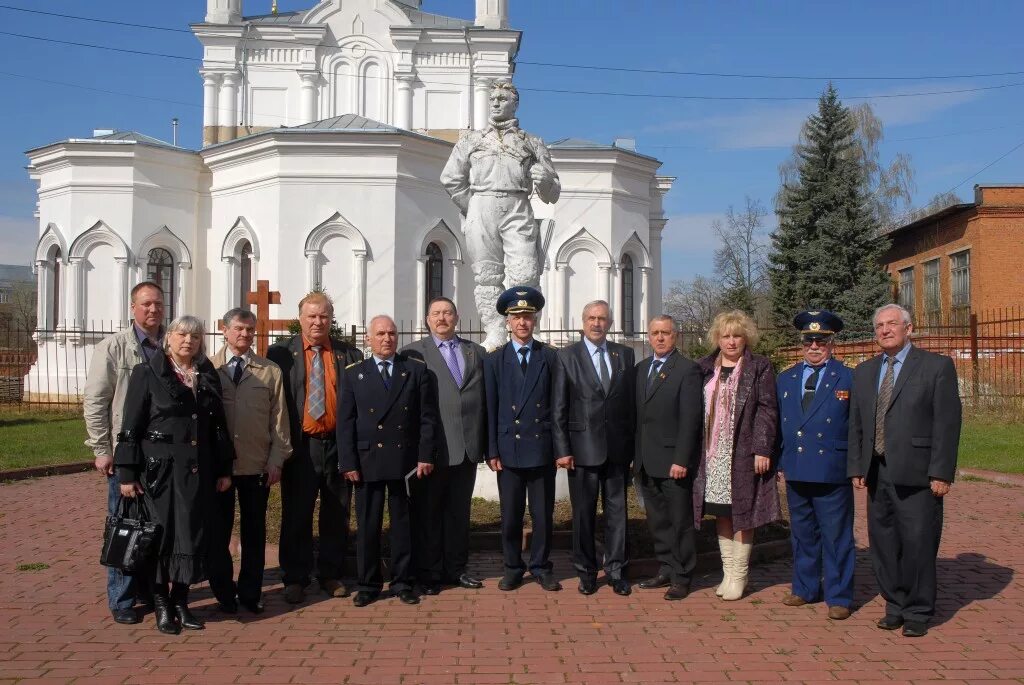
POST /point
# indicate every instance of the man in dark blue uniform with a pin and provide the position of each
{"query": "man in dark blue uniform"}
(814, 406)
(519, 378)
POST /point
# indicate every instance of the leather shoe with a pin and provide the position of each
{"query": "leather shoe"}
(548, 581)
(408, 597)
(294, 594)
(228, 606)
(187, 619)
(430, 589)
(334, 587)
(469, 582)
(889, 622)
(510, 582)
(364, 598)
(792, 600)
(656, 582)
(915, 629)
(166, 622)
(255, 607)
(838, 613)
(588, 586)
(677, 591)
(620, 586)
(127, 617)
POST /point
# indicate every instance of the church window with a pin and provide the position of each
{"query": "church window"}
(160, 270)
(435, 266)
(628, 293)
(244, 274)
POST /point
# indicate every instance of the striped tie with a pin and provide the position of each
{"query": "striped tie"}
(882, 406)
(448, 350)
(317, 393)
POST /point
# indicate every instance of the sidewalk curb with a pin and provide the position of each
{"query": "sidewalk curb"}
(994, 476)
(41, 471)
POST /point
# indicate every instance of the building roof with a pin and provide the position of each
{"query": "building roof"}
(346, 122)
(295, 17)
(418, 18)
(584, 144)
(937, 215)
(121, 137)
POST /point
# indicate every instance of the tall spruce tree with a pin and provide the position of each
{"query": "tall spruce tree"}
(826, 250)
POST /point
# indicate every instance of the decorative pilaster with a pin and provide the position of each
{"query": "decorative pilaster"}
(228, 107)
(421, 287)
(230, 280)
(645, 301)
(455, 280)
(122, 292)
(211, 88)
(359, 286)
(182, 304)
(74, 290)
(603, 272)
(403, 101)
(308, 104)
(481, 93)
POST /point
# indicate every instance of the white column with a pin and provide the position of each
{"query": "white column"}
(122, 292)
(230, 280)
(211, 86)
(307, 109)
(359, 286)
(228, 106)
(403, 102)
(613, 296)
(421, 286)
(311, 274)
(455, 279)
(562, 286)
(73, 288)
(182, 305)
(44, 283)
(481, 91)
(645, 303)
(603, 272)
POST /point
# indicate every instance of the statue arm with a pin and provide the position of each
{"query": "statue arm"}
(545, 178)
(455, 177)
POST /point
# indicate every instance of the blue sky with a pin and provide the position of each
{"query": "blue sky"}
(720, 150)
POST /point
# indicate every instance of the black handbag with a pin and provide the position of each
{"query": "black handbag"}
(129, 536)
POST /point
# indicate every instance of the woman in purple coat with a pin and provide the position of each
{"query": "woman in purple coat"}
(735, 481)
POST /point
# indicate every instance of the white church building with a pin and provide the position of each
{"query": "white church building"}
(324, 134)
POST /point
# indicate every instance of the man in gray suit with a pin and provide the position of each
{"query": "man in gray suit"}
(904, 435)
(442, 502)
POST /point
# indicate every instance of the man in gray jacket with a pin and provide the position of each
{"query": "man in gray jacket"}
(442, 501)
(103, 406)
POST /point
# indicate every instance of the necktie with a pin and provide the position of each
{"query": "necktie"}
(523, 351)
(882, 405)
(655, 365)
(810, 386)
(239, 368)
(450, 358)
(317, 394)
(606, 378)
(385, 374)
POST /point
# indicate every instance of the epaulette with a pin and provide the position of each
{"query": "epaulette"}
(353, 364)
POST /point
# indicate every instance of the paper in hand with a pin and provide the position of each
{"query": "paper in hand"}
(411, 474)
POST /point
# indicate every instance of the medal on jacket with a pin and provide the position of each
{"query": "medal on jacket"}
(842, 395)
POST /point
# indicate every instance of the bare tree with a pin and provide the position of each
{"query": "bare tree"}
(741, 260)
(693, 304)
(936, 204)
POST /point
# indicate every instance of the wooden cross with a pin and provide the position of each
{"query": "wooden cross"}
(263, 297)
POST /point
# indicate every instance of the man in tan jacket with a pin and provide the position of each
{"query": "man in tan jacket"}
(103, 406)
(257, 416)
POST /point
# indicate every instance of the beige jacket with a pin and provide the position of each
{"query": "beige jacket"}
(103, 406)
(257, 413)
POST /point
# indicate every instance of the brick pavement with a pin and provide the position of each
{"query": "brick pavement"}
(55, 627)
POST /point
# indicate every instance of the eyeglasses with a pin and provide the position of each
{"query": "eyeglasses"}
(811, 342)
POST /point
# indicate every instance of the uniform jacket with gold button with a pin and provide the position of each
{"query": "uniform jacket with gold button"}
(383, 432)
(813, 446)
(257, 413)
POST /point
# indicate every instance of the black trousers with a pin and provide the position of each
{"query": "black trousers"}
(514, 485)
(904, 530)
(313, 472)
(586, 483)
(669, 506)
(370, 519)
(442, 503)
(252, 494)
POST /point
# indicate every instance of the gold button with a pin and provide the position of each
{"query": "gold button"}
(371, 410)
(195, 416)
(799, 434)
(380, 444)
(380, 428)
(193, 443)
(399, 447)
(517, 422)
(517, 436)
(399, 428)
(819, 435)
(538, 405)
(821, 451)
(828, 420)
(195, 469)
(800, 449)
(513, 407)
(537, 435)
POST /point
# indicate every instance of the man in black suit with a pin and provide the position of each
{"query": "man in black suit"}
(594, 409)
(387, 422)
(311, 365)
(904, 435)
(519, 377)
(442, 502)
(669, 417)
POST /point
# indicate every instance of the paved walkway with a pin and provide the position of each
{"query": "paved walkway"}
(55, 627)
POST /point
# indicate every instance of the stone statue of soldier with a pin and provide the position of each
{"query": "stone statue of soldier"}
(490, 176)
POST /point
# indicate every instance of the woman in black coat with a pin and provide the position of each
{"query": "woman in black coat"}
(175, 451)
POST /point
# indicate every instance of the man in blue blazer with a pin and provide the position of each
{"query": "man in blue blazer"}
(519, 378)
(814, 408)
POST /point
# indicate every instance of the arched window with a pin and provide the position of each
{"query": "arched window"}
(55, 306)
(435, 268)
(160, 270)
(244, 274)
(628, 322)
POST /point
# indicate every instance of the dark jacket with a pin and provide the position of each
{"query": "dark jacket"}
(755, 499)
(922, 424)
(669, 416)
(588, 424)
(813, 442)
(288, 355)
(176, 445)
(383, 433)
(518, 407)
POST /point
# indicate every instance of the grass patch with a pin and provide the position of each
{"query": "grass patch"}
(41, 438)
(36, 566)
(992, 445)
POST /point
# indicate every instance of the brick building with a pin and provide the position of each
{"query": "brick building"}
(965, 258)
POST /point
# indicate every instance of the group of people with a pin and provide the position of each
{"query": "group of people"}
(190, 434)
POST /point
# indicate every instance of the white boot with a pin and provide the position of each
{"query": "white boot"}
(738, 578)
(725, 548)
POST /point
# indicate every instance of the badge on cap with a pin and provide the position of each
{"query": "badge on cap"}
(814, 326)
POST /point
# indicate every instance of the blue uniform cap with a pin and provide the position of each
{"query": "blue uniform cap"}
(819, 323)
(520, 299)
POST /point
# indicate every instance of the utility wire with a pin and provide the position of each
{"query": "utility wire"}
(563, 65)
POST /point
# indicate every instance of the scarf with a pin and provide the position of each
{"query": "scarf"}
(506, 126)
(719, 407)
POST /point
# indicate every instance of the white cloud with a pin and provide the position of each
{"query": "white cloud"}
(18, 237)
